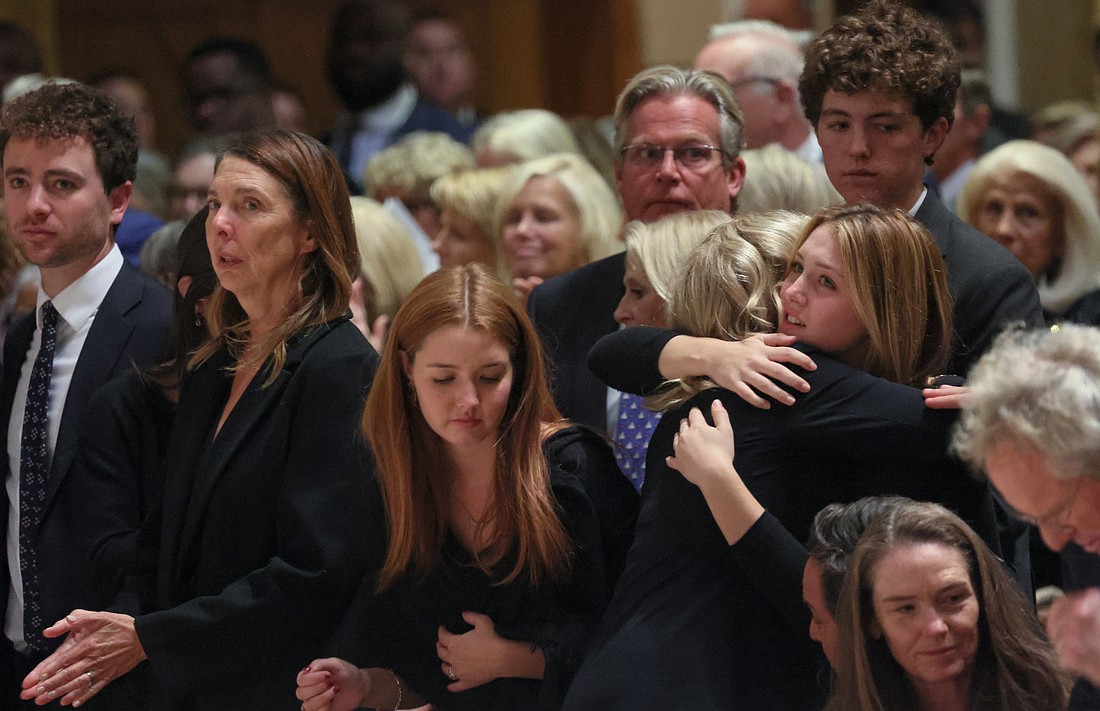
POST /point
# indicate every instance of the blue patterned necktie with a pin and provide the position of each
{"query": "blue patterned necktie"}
(632, 433)
(34, 467)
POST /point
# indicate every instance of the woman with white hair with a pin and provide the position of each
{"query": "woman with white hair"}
(1031, 199)
(553, 215)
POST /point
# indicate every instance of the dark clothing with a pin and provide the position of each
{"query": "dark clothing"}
(571, 312)
(244, 570)
(399, 628)
(686, 628)
(989, 286)
(1085, 311)
(129, 331)
(119, 474)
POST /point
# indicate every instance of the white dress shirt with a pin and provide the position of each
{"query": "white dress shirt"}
(76, 306)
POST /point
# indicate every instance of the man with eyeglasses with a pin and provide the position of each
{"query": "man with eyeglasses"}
(678, 135)
(1031, 421)
(762, 62)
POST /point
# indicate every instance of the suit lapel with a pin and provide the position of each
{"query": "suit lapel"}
(934, 215)
(99, 359)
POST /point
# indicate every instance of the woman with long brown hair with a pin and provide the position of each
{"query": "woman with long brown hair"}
(503, 521)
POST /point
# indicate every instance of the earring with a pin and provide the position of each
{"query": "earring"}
(199, 320)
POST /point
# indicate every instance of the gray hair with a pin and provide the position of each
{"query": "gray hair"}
(525, 134)
(671, 81)
(784, 180)
(1039, 390)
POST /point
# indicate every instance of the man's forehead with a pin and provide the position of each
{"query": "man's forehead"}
(868, 101)
(684, 113)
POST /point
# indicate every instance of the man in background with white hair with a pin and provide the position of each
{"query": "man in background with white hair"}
(762, 62)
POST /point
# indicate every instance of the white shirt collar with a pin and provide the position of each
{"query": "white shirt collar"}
(920, 201)
(78, 301)
(391, 114)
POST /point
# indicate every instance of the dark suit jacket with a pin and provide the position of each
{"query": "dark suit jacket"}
(990, 287)
(263, 532)
(129, 331)
(571, 313)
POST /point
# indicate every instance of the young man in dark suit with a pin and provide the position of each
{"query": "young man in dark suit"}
(68, 157)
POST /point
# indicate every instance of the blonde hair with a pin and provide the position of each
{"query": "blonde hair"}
(525, 134)
(783, 180)
(660, 248)
(775, 235)
(388, 258)
(1079, 270)
(898, 288)
(408, 168)
(597, 206)
(726, 290)
(473, 194)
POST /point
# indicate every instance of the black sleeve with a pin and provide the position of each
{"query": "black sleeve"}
(587, 456)
(628, 359)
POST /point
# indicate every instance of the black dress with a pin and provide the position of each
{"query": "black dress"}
(398, 630)
(687, 629)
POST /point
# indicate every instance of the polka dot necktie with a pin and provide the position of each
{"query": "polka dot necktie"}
(34, 467)
(632, 433)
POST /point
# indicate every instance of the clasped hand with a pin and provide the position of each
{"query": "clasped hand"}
(100, 647)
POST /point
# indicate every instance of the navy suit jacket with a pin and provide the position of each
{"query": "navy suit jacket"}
(130, 331)
(571, 312)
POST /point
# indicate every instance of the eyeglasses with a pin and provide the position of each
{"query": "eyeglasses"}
(691, 157)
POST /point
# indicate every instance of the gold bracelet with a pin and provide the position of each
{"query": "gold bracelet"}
(400, 693)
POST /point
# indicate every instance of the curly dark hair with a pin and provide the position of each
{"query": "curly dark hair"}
(884, 47)
(70, 110)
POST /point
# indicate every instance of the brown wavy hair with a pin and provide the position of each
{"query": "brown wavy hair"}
(311, 177)
(1015, 668)
(885, 47)
(69, 110)
(413, 465)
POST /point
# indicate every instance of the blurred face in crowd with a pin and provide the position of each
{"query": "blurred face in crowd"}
(874, 147)
(461, 241)
(1086, 159)
(363, 63)
(439, 63)
(651, 189)
(641, 305)
(190, 182)
(926, 610)
(1064, 509)
(816, 296)
(221, 99)
(1019, 212)
(541, 230)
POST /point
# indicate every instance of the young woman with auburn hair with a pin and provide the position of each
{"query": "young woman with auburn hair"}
(505, 524)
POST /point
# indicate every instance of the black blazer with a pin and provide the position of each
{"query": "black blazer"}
(990, 287)
(571, 313)
(264, 531)
(129, 332)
